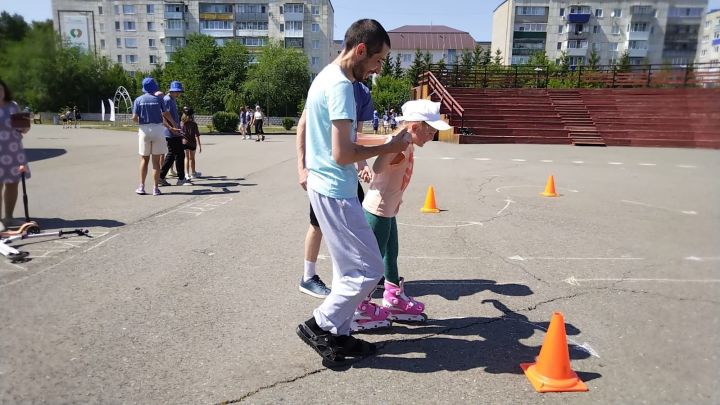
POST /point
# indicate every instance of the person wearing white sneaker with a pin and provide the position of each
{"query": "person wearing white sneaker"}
(243, 123)
(148, 111)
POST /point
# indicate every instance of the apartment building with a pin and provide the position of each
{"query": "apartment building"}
(708, 48)
(141, 35)
(442, 42)
(652, 31)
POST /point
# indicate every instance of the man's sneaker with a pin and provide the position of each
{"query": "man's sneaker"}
(184, 182)
(156, 191)
(163, 183)
(314, 287)
(141, 190)
(196, 174)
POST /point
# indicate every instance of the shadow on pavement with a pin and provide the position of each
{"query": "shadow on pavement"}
(34, 155)
(454, 289)
(494, 344)
(59, 223)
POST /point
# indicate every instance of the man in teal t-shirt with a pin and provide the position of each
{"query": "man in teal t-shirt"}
(332, 190)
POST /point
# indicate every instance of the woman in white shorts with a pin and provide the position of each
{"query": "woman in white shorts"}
(149, 111)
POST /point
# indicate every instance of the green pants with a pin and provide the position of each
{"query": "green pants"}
(385, 230)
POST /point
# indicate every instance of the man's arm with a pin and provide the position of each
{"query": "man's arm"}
(136, 119)
(300, 148)
(168, 119)
(345, 152)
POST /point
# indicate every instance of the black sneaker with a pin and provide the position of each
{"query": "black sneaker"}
(353, 347)
(314, 287)
(381, 284)
(324, 343)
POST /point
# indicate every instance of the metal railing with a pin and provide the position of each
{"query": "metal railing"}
(437, 88)
(608, 76)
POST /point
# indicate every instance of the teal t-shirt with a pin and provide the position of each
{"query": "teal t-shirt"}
(330, 98)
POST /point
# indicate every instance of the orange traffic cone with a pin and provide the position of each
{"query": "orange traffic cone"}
(551, 371)
(550, 188)
(430, 206)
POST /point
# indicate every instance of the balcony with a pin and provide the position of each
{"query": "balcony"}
(251, 16)
(294, 16)
(579, 17)
(251, 33)
(216, 16)
(576, 51)
(716, 42)
(642, 12)
(174, 15)
(578, 34)
(638, 53)
(294, 43)
(174, 32)
(529, 34)
(638, 35)
(218, 33)
(293, 33)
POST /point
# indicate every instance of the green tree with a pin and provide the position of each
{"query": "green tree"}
(593, 60)
(196, 66)
(623, 64)
(387, 67)
(416, 68)
(497, 59)
(539, 58)
(487, 57)
(477, 57)
(427, 61)
(390, 92)
(12, 27)
(279, 80)
(397, 67)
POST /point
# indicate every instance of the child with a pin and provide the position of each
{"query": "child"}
(375, 122)
(391, 177)
(191, 140)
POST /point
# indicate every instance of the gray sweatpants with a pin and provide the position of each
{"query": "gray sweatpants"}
(357, 264)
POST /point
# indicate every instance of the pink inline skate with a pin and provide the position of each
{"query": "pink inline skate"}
(369, 316)
(402, 307)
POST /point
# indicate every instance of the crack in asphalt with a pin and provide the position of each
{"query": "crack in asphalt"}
(273, 385)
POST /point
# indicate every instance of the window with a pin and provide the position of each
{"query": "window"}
(128, 9)
(153, 59)
(215, 8)
(562, 11)
(173, 8)
(613, 46)
(150, 26)
(617, 12)
(129, 25)
(151, 42)
(131, 58)
(215, 25)
(559, 46)
(579, 28)
(521, 10)
(294, 8)
(685, 12)
(100, 10)
(596, 29)
(315, 60)
(174, 24)
(130, 42)
(315, 10)
(116, 9)
(118, 43)
(407, 58)
(315, 27)
(150, 8)
(616, 30)
(561, 29)
(255, 25)
(102, 44)
(251, 8)
(598, 12)
(253, 41)
(639, 27)
(531, 27)
(119, 58)
(282, 27)
(294, 27)
(578, 44)
(102, 27)
(117, 25)
(316, 44)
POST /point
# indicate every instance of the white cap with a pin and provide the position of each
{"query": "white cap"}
(424, 110)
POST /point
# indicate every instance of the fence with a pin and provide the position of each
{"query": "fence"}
(660, 75)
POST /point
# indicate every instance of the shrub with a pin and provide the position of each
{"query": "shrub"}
(225, 121)
(288, 123)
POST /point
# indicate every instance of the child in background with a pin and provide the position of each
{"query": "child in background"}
(191, 141)
(392, 173)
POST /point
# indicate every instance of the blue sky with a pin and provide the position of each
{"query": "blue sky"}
(473, 16)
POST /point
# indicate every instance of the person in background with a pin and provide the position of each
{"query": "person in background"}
(243, 123)
(257, 122)
(375, 122)
(13, 160)
(174, 138)
(248, 120)
(191, 141)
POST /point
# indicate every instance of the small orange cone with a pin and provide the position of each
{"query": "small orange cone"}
(551, 371)
(550, 188)
(430, 206)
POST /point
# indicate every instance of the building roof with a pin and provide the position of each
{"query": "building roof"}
(430, 37)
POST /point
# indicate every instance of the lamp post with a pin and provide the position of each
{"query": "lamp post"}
(537, 76)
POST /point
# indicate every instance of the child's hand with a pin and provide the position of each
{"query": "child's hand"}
(365, 174)
(400, 142)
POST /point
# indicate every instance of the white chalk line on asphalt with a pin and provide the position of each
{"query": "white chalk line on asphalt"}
(459, 225)
(198, 208)
(101, 242)
(508, 202)
(686, 212)
(576, 281)
(584, 347)
(522, 259)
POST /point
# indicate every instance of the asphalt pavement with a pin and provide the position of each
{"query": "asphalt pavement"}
(192, 297)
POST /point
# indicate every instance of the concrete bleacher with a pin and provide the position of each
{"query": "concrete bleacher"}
(672, 117)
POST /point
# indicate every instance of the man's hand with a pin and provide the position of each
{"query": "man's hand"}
(302, 178)
(399, 142)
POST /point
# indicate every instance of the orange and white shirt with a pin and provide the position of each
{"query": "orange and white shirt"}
(384, 195)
